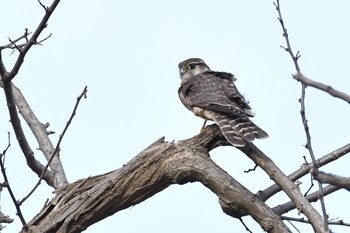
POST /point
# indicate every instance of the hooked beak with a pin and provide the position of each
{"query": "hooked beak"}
(182, 72)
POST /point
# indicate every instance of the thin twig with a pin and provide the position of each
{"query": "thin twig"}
(8, 145)
(41, 4)
(290, 222)
(8, 186)
(251, 169)
(2, 155)
(311, 186)
(32, 41)
(286, 36)
(10, 45)
(245, 226)
(302, 111)
(15, 45)
(39, 42)
(57, 148)
(303, 220)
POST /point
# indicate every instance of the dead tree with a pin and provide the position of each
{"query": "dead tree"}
(78, 205)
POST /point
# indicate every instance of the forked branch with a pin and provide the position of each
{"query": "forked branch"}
(40, 132)
(35, 165)
(57, 148)
(303, 115)
(7, 77)
(305, 169)
(154, 169)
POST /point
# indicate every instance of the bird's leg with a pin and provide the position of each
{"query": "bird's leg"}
(203, 127)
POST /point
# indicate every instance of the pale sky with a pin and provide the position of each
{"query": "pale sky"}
(127, 52)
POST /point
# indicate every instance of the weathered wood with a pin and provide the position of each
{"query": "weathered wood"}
(160, 165)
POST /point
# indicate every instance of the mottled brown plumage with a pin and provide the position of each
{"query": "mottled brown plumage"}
(213, 96)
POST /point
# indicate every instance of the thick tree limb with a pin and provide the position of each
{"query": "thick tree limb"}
(40, 133)
(286, 185)
(335, 180)
(305, 169)
(315, 196)
(87, 201)
(35, 165)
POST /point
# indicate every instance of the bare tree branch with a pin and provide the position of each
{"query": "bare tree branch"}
(10, 45)
(8, 186)
(40, 133)
(330, 90)
(286, 36)
(55, 153)
(305, 169)
(32, 41)
(313, 197)
(154, 169)
(303, 220)
(302, 111)
(293, 192)
(56, 177)
(6, 77)
(335, 180)
(79, 205)
(311, 152)
(42, 40)
(158, 165)
(35, 165)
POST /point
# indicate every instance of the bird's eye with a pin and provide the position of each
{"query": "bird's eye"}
(191, 66)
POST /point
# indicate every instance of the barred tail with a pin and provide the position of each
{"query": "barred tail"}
(232, 137)
(238, 130)
(247, 129)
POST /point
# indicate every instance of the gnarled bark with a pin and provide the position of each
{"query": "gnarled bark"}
(160, 165)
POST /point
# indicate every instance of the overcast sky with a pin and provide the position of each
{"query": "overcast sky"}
(127, 52)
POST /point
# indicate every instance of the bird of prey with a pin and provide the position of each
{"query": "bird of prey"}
(213, 96)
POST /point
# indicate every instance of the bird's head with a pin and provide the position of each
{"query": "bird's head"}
(192, 67)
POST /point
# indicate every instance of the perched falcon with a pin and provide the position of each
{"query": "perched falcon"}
(213, 96)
